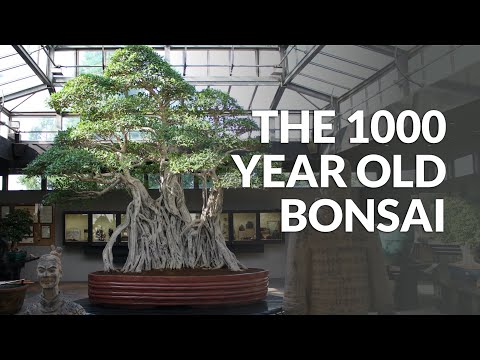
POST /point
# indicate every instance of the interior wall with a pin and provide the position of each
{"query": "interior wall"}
(77, 265)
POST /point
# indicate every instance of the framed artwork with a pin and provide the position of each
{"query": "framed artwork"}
(46, 214)
(45, 232)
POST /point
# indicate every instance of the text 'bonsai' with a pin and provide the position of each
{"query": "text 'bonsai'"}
(141, 117)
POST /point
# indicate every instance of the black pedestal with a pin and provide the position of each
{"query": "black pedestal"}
(270, 306)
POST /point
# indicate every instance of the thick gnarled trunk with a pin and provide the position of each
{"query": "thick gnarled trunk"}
(154, 228)
(205, 244)
(161, 234)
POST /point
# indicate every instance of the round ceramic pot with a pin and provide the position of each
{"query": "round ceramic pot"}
(11, 298)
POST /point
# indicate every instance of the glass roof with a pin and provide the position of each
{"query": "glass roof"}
(284, 77)
(293, 77)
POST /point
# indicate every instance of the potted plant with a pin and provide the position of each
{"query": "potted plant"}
(13, 228)
(462, 227)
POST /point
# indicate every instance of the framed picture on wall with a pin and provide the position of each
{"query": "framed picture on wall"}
(45, 232)
(46, 214)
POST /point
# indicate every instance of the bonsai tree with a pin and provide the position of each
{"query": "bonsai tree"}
(461, 226)
(141, 117)
(15, 226)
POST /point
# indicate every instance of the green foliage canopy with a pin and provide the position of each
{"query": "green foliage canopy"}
(142, 116)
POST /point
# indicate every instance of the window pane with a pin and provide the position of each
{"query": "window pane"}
(90, 58)
(244, 226)
(69, 122)
(176, 58)
(108, 56)
(270, 226)
(21, 182)
(37, 128)
(246, 61)
(103, 226)
(76, 227)
(220, 57)
(268, 58)
(66, 58)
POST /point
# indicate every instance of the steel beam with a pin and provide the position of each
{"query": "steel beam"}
(205, 47)
(367, 82)
(310, 101)
(25, 92)
(302, 63)
(310, 92)
(252, 98)
(325, 81)
(348, 61)
(337, 71)
(33, 65)
(281, 89)
(215, 80)
(233, 80)
(6, 112)
(387, 50)
(277, 97)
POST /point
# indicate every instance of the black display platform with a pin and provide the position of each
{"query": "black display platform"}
(272, 305)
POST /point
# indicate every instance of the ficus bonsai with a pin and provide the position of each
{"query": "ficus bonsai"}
(141, 117)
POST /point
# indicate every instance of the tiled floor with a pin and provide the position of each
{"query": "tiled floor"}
(79, 290)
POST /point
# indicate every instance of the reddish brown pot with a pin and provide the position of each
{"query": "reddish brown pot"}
(158, 290)
(11, 298)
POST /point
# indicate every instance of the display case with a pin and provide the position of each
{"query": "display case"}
(240, 229)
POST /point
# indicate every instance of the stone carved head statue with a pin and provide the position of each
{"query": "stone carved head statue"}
(50, 301)
(49, 268)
